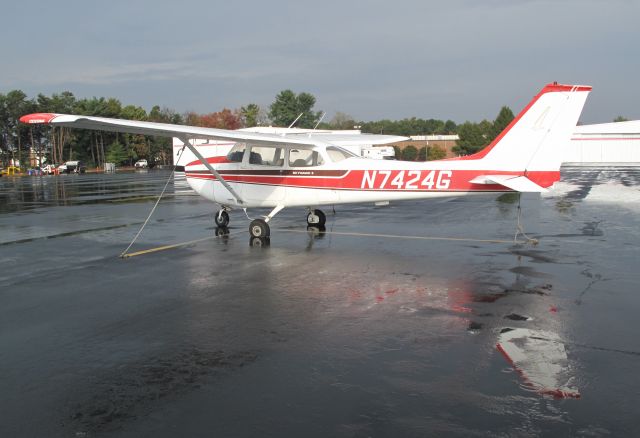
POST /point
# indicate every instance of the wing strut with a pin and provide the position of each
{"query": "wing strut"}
(208, 165)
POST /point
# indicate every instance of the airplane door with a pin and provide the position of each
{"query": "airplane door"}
(263, 175)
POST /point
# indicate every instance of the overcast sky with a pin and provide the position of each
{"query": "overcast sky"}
(450, 59)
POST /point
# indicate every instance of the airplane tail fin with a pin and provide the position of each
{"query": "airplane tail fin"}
(534, 140)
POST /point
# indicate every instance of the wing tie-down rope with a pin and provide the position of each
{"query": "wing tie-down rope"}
(520, 227)
(124, 253)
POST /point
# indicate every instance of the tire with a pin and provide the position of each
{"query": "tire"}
(259, 228)
(221, 218)
(319, 222)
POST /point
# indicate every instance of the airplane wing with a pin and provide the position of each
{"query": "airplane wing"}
(343, 137)
(182, 131)
(517, 183)
(351, 139)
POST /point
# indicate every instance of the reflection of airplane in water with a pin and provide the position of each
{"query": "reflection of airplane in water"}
(540, 358)
(532, 343)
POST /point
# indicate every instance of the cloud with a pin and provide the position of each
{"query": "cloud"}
(461, 59)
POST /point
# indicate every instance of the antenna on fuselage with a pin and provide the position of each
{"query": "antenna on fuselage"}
(324, 113)
(294, 122)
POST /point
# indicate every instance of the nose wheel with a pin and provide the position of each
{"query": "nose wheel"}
(222, 218)
(316, 218)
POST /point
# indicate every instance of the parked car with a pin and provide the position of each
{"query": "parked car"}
(141, 164)
(72, 167)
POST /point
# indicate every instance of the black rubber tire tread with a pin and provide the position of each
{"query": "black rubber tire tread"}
(221, 219)
(259, 228)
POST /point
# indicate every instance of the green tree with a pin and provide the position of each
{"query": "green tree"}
(288, 106)
(116, 153)
(342, 121)
(59, 137)
(407, 127)
(620, 119)
(473, 137)
(161, 148)
(4, 131)
(422, 154)
(137, 146)
(16, 136)
(436, 153)
(409, 153)
(504, 117)
(250, 115)
(450, 127)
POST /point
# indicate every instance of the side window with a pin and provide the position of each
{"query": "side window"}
(338, 154)
(304, 158)
(236, 153)
(266, 156)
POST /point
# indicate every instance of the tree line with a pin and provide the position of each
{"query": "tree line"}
(59, 144)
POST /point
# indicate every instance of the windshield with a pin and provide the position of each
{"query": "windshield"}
(236, 153)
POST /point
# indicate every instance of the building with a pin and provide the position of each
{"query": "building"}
(445, 142)
(613, 144)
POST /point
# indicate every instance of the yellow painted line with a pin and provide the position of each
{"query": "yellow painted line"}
(337, 233)
(166, 247)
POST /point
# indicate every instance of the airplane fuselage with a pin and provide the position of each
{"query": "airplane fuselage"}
(347, 181)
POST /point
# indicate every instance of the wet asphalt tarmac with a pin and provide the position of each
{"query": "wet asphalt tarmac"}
(384, 325)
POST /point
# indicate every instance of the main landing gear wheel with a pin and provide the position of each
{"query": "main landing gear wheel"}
(259, 228)
(316, 218)
(222, 218)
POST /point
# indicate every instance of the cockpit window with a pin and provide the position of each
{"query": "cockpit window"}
(236, 153)
(266, 155)
(304, 158)
(338, 154)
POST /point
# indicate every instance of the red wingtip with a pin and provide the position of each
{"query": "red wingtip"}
(38, 118)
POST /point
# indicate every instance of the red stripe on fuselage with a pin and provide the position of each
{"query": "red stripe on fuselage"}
(380, 180)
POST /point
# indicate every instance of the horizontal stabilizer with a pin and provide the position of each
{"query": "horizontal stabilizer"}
(517, 183)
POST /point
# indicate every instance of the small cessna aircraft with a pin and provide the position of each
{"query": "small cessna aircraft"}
(278, 171)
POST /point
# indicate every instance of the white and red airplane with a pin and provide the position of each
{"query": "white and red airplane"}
(278, 171)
